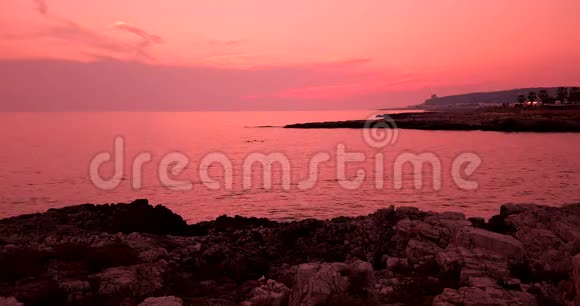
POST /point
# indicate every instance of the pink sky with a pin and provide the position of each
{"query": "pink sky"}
(185, 54)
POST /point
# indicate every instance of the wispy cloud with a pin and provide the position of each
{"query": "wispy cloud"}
(147, 39)
(70, 31)
(66, 29)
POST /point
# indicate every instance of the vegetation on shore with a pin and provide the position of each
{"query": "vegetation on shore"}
(563, 96)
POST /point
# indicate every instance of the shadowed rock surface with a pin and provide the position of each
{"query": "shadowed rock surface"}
(137, 254)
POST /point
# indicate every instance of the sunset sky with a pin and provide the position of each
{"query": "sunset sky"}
(302, 54)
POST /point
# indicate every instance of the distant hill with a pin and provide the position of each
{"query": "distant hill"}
(476, 99)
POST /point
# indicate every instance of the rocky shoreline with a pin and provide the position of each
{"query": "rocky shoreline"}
(494, 119)
(137, 254)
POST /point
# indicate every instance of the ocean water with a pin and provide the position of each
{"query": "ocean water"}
(45, 162)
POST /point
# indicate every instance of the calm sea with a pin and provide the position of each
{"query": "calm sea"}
(45, 158)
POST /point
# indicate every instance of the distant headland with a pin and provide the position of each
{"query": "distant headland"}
(541, 109)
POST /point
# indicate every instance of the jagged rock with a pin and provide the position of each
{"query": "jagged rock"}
(408, 212)
(477, 222)
(134, 281)
(511, 283)
(576, 269)
(513, 209)
(75, 286)
(547, 293)
(397, 264)
(185, 251)
(84, 255)
(316, 282)
(421, 240)
(481, 282)
(211, 302)
(272, 293)
(76, 290)
(10, 301)
(386, 290)
(229, 224)
(137, 216)
(153, 255)
(162, 301)
(550, 235)
(416, 228)
(418, 251)
(451, 215)
(362, 268)
(319, 283)
(472, 238)
(470, 296)
(216, 253)
(473, 263)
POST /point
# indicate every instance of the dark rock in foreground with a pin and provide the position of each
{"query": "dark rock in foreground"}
(138, 216)
(130, 254)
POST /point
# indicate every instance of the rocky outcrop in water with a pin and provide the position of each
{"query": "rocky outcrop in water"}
(494, 119)
(137, 254)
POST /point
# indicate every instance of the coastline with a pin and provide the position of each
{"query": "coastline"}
(492, 119)
(135, 253)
